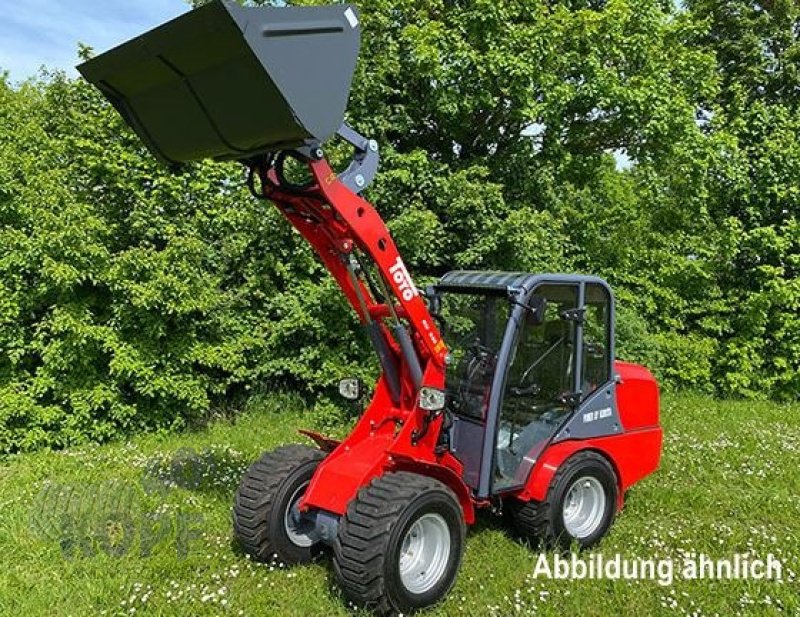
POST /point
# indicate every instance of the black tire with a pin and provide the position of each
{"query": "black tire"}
(368, 547)
(542, 522)
(263, 498)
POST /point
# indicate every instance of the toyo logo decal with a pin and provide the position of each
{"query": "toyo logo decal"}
(402, 279)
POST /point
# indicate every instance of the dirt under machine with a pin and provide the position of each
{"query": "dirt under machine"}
(497, 389)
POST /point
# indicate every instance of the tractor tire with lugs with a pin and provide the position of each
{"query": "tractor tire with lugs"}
(265, 517)
(400, 543)
(579, 508)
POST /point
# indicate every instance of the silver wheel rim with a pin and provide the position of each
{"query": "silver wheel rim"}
(584, 507)
(424, 553)
(299, 531)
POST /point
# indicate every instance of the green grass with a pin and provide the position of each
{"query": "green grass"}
(729, 484)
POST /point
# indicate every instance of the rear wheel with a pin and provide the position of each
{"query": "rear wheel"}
(579, 508)
(266, 518)
(400, 544)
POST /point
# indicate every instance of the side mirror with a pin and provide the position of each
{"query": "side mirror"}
(434, 300)
(537, 307)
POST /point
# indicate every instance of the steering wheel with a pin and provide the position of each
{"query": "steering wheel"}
(476, 368)
(531, 390)
(478, 349)
(478, 359)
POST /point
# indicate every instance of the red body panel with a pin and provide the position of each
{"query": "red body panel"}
(382, 442)
(637, 396)
(634, 454)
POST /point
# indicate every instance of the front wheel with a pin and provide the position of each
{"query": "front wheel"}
(266, 519)
(400, 544)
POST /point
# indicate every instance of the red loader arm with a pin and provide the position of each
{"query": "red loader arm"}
(349, 236)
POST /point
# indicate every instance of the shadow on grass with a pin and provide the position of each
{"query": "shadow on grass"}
(487, 520)
(214, 471)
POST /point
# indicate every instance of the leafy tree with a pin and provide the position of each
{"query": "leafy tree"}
(755, 189)
(134, 299)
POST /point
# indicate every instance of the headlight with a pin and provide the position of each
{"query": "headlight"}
(431, 399)
(350, 388)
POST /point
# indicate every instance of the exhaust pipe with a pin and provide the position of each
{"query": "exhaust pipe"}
(230, 82)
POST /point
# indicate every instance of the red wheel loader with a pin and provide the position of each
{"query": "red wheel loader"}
(498, 389)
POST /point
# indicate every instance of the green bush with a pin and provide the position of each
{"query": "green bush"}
(133, 299)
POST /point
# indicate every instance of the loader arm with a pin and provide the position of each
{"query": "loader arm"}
(350, 236)
(354, 244)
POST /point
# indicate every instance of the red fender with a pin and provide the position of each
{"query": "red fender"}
(452, 479)
(633, 455)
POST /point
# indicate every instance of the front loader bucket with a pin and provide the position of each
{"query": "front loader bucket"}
(229, 82)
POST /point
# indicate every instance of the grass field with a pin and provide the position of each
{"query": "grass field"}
(729, 483)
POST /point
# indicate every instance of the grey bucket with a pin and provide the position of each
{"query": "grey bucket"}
(230, 82)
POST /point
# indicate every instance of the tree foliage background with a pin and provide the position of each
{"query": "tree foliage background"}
(654, 145)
